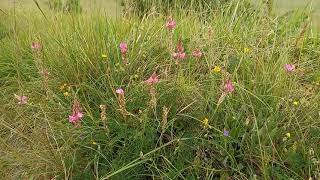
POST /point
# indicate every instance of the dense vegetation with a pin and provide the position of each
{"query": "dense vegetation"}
(230, 95)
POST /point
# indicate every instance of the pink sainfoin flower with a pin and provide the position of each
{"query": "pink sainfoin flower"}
(228, 87)
(171, 24)
(289, 67)
(35, 46)
(197, 54)
(21, 99)
(153, 79)
(179, 54)
(77, 114)
(123, 48)
(120, 91)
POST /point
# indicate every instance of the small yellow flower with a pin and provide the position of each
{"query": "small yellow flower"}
(294, 146)
(94, 143)
(62, 87)
(246, 50)
(104, 56)
(296, 103)
(66, 94)
(216, 69)
(205, 123)
(288, 135)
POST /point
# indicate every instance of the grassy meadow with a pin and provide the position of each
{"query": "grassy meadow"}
(229, 93)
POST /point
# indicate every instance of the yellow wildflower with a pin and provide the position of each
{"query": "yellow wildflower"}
(94, 143)
(216, 69)
(104, 56)
(288, 135)
(66, 94)
(205, 123)
(246, 50)
(296, 103)
(62, 87)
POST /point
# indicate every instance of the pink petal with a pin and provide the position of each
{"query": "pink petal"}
(228, 87)
(171, 24)
(182, 55)
(120, 91)
(73, 119)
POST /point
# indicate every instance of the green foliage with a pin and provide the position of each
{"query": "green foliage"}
(250, 47)
(142, 7)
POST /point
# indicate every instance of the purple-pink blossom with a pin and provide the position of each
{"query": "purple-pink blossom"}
(77, 114)
(228, 87)
(179, 54)
(35, 46)
(153, 79)
(22, 100)
(197, 53)
(289, 67)
(171, 24)
(74, 118)
(120, 91)
(226, 133)
(123, 47)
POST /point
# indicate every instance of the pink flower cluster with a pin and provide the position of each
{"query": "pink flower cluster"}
(77, 114)
(289, 67)
(228, 86)
(197, 54)
(179, 54)
(123, 48)
(171, 24)
(153, 79)
(22, 100)
(35, 46)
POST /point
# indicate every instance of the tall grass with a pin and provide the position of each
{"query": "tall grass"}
(272, 115)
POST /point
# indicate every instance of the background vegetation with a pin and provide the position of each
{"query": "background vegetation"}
(272, 116)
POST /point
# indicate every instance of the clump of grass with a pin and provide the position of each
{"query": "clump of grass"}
(235, 112)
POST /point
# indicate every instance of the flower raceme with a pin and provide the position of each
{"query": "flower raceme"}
(153, 79)
(35, 46)
(122, 102)
(197, 54)
(123, 48)
(228, 86)
(179, 54)
(77, 114)
(289, 67)
(22, 100)
(120, 91)
(171, 24)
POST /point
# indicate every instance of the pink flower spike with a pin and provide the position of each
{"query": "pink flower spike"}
(180, 48)
(182, 55)
(120, 91)
(289, 67)
(35, 46)
(22, 100)
(175, 55)
(123, 48)
(153, 79)
(76, 115)
(228, 87)
(80, 115)
(73, 119)
(171, 24)
(197, 54)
